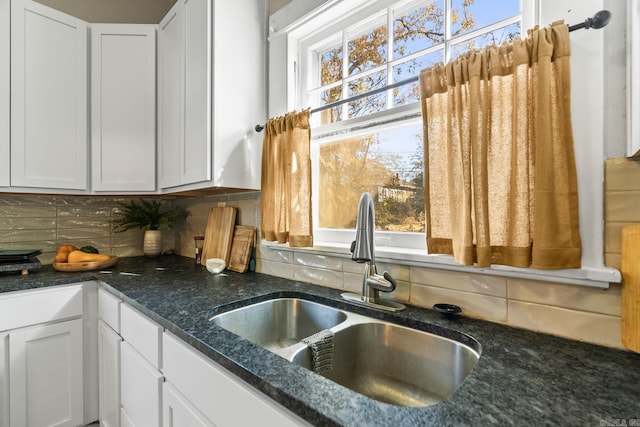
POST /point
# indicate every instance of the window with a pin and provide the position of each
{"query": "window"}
(304, 29)
(374, 143)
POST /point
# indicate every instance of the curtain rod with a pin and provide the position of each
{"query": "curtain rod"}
(599, 20)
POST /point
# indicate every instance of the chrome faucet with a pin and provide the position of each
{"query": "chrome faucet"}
(363, 251)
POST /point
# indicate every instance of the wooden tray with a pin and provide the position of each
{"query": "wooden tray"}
(86, 266)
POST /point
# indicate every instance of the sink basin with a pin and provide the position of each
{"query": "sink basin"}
(384, 361)
(395, 364)
(280, 322)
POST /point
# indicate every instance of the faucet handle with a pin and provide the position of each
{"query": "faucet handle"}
(391, 280)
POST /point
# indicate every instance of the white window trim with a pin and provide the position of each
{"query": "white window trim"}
(293, 21)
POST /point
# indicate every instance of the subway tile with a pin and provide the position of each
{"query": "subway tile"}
(604, 301)
(317, 260)
(127, 251)
(622, 174)
(62, 201)
(578, 325)
(85, 211)
(468, 282)
(28, 211)
(397, 271)
(72, 234)
(27, 200)
(272, 253)
(318, 276)
(622, 206)
(473, 305)
(613, 260)
(353, 282)
(86, 222)
(274, 268)
(613, 236)
(19, 223)
(350, 266)
(18, 236)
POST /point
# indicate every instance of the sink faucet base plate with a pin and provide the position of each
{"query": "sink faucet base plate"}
(381, 304)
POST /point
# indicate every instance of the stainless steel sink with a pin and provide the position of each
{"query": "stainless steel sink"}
(395, 364)
(279, 323)
(384, 361)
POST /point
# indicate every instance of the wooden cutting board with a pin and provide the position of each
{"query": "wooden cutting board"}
(631, 287)
(241, 248)
(219, 234)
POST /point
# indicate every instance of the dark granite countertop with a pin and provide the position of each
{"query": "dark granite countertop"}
(522, 377)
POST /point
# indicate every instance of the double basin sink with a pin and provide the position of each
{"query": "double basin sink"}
(382, 360)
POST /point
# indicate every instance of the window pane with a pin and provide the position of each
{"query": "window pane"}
(467, 15)
(411, 93)
(330, 65)
(496, 37)
(369, 104)
(368, 48)
(328, 96)
(387, 164)
(417, 28)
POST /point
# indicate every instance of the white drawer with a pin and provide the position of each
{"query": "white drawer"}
(24, 308)
(142, 334)
(109, 309)
(141, 389)
(221, 397)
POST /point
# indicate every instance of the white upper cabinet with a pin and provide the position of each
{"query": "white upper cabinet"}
(211, 89)
(239, 92)
(184, 94)
(5, 90)
(49, 137)
(123, 107)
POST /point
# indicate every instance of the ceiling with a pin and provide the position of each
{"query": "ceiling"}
(114, 11)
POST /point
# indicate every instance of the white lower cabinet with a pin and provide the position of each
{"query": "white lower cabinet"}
(140, 364)
(141, 389)
(46, 371)
(214, 394)
(177, 411)
(109, 343)
(46, 375)
(4, 379)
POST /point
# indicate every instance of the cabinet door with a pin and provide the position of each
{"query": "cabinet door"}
(177, 411)
(123, 107)
(196, 151)
(48, 98)
(141, 389)
(221, 396)
(240, 93)
(4, 379)
(5, 104)
(46, 375)
(184, 90)
(109, 375)
(170, 102)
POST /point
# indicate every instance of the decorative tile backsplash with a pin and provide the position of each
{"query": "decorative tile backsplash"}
(577, 312)
(45, 222)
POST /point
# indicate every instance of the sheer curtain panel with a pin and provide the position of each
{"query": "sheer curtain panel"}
(286, 180)
(500, 175)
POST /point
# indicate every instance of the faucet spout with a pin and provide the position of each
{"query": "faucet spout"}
(363, 247)
(363, 251)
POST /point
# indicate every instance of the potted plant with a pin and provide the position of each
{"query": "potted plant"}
(148, 216)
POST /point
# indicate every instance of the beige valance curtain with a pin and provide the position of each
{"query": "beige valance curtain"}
(286, 180)
(500, 175)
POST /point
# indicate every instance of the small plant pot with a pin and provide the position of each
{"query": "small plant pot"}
(152, 246)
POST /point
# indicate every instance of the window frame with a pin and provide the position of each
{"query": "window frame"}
(338, 33)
